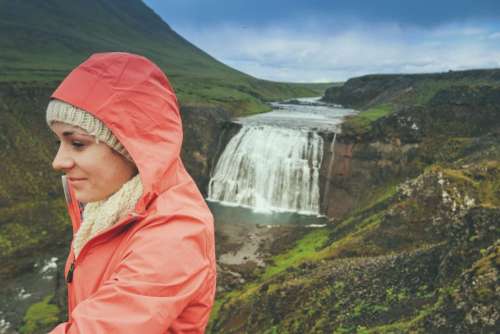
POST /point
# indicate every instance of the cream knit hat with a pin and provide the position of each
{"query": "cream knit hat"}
(59, 111)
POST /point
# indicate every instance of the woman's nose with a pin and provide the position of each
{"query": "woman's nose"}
(62, 161)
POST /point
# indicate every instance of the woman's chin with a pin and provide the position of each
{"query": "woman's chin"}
(84, 197)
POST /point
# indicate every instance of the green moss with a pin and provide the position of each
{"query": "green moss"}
(361, 122)
(488, 174)
(412, 324)
(486, 263)
(40, 317)
(354, 243)
(481, 179)
(214, 314)
(424, 292)
(395, 297)
(376, 112)
(305, 249)
(379, 196)
(345, 329)
(459, 177)
(272, 330)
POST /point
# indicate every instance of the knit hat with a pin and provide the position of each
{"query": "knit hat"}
(59, 111)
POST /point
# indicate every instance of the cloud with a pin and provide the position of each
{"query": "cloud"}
(307, 51)
(495, 35)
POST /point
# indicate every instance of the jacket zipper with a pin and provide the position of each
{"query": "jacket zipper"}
(69, 277)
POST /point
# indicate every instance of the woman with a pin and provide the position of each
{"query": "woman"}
(142, 258)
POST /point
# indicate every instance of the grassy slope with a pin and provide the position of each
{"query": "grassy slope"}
(424, 88)
(42, 41)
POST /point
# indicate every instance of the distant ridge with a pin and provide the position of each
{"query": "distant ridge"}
(405, 89)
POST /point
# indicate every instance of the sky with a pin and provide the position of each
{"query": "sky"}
(330, 41)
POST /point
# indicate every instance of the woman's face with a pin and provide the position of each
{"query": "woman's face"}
(95, 171)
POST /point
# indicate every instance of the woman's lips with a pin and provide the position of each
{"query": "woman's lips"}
(76, 180)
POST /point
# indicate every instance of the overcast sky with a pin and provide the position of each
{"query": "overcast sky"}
(321, 40)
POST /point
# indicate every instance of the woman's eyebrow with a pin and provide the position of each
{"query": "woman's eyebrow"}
(71, 133)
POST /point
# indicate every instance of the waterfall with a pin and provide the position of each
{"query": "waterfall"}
(269, 169)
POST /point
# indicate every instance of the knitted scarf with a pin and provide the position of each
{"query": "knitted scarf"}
(100, 215)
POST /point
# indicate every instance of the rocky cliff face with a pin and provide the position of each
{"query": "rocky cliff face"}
(31, 203)
(455, 122)
(360, 169)
(204, 138)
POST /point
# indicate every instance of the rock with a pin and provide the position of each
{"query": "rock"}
(202, 129)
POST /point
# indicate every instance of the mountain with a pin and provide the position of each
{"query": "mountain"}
(44, 40)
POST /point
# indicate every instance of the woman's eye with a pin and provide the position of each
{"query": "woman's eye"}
(77, 144)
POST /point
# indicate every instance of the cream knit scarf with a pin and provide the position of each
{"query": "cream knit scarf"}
(98, 216)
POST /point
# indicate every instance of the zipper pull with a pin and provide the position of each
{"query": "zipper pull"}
(69, 278)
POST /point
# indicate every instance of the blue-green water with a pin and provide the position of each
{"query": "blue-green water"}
(240, 215)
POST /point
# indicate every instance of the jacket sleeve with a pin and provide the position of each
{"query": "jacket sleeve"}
(155, 280)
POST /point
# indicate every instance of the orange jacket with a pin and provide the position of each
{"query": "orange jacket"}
(154, 270)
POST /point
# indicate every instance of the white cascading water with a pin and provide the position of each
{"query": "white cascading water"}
(269, 169)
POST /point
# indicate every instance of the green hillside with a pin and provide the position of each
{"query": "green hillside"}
(43, 40)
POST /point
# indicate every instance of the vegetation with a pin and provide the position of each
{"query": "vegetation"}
(362, 122)
(35, 48)
(40, 317)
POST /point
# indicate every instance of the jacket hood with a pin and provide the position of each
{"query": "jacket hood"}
(134, 99)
